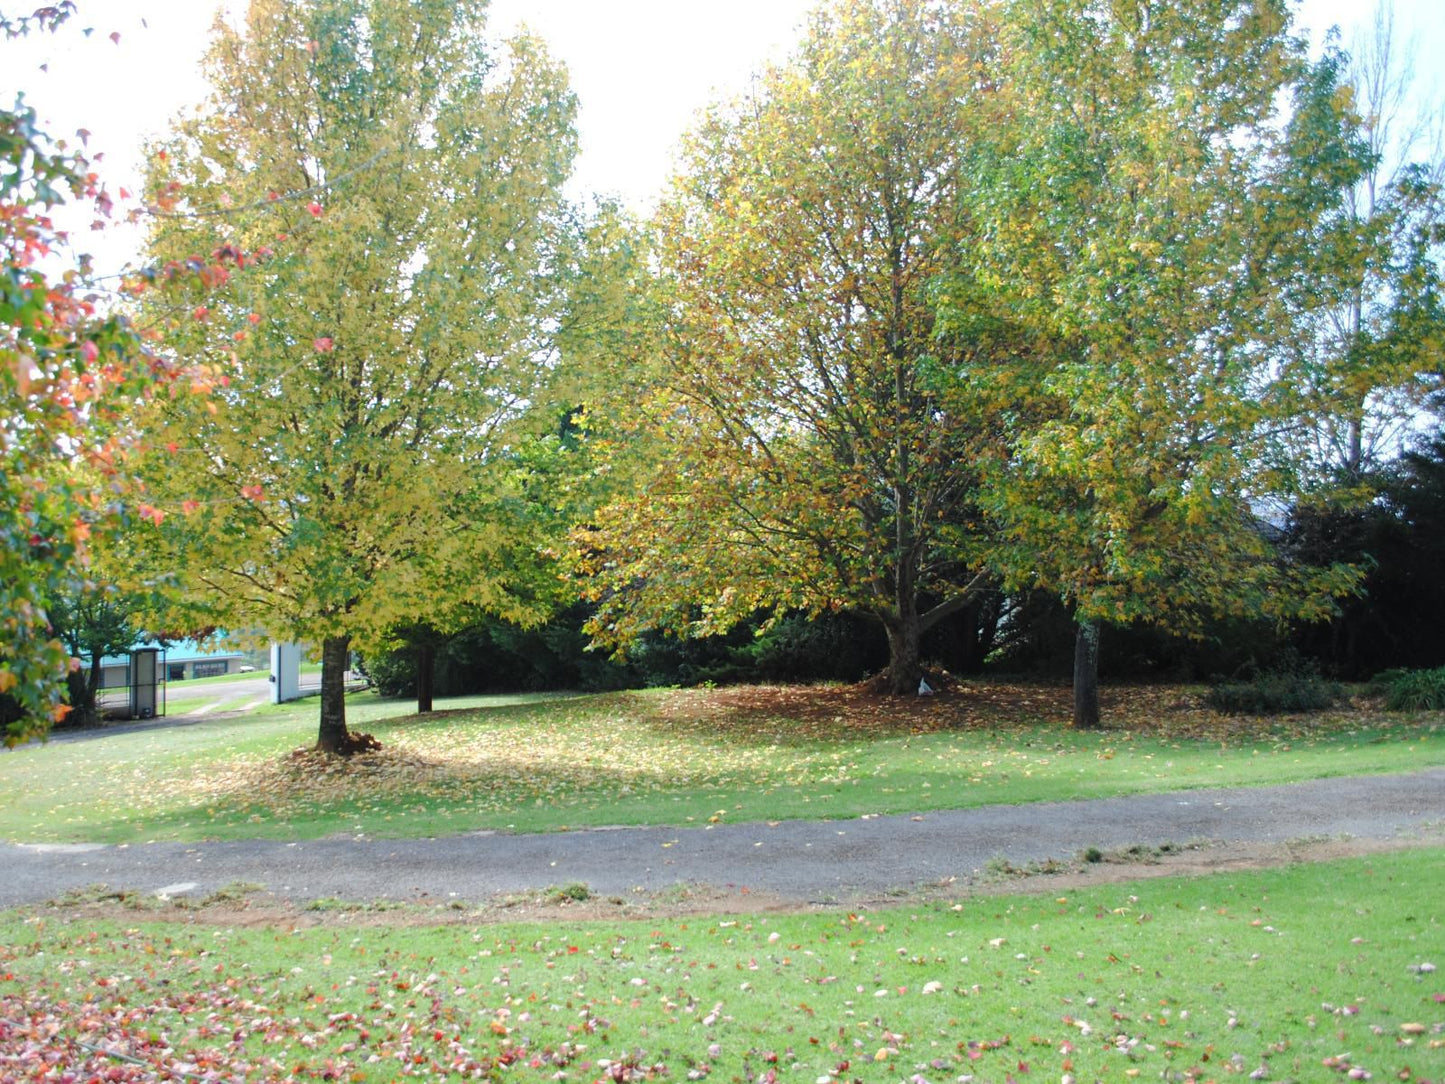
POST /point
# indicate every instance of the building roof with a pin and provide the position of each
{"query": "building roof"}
(176, 651)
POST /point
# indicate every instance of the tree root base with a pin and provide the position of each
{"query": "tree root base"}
(354, 743)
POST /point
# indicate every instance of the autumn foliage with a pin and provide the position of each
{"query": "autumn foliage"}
(72, 370)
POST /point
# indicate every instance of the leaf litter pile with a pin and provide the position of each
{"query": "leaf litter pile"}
(749, 753)
(1311, 973)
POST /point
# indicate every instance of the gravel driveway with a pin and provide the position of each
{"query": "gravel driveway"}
(797, 862)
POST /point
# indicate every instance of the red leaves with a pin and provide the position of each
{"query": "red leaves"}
(229, 254)
(323, 344)
(89, 350)
(253, 493)
(314, 208)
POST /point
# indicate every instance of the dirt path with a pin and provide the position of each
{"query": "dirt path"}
(789, 864)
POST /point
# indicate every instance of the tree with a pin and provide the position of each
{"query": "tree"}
(71, 373)
(93, 621)
(807, 445)
(352, 475)
(1399, 538)
(1141, 198)
(1370, 330)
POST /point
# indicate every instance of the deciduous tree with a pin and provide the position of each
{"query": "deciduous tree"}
(807, 441)
(1369, 330)
(1141, 196)
(71, 373)
(93, 621)
(353, 473)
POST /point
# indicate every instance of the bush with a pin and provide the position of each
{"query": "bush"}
(1413, 690)
(494, 656)
(1275, 692)
(829, 647)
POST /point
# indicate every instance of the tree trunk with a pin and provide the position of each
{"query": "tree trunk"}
(333, 736)
(1086, 675)
(91, 707)
(905, 670)
(425, 659)
(970, 655)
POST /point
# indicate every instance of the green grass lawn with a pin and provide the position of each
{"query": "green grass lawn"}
(1304, 973)
(661, 757)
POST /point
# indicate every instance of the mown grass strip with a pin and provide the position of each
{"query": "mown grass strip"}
(1300, 973)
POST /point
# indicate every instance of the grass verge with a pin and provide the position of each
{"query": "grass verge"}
(661, 757)
(1310, 972)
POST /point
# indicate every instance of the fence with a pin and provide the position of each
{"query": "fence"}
(136, 690)
(309, 683)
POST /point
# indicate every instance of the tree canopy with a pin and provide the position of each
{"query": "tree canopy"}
(966, 295)
(1368, 346)
(806, 441)
(72, 372)
(353, 473)
(1142, 202)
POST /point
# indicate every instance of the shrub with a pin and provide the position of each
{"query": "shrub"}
(1275, 692)
(1414, 690)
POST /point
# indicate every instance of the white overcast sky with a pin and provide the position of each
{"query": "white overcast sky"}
(641, 70)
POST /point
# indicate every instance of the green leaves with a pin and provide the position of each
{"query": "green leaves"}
(1134, 208)
(359, 469)
(806, 445)
(69, 377)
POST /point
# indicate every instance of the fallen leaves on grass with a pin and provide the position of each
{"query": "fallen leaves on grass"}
(752, 752)
(1101, 985)
(842, 712)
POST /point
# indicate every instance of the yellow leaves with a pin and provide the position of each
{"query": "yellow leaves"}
(363, 448)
